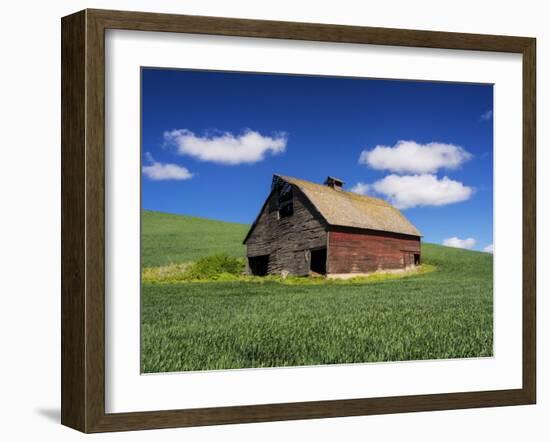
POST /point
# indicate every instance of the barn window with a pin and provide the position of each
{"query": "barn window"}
(286, 206)
(258, 265)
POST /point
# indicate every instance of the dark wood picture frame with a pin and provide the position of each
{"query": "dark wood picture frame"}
(83, 220)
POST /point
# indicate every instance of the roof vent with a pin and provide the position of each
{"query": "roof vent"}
(335, 183)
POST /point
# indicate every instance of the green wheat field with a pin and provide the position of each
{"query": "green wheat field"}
(198, 313)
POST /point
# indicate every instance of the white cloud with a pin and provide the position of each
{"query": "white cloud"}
(412, 157)
(164, 171)
(226, 148)
(485, 116)
(467, 243)
(421, 190)
(489, 248)
(360, 188)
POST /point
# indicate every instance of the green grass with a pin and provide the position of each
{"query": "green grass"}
(441, 314)
(173, 239)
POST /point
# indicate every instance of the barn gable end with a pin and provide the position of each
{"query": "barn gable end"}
(286, 241)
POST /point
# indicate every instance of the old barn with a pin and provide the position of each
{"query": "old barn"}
(306, 228)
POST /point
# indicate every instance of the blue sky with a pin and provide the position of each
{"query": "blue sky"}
(212, 140)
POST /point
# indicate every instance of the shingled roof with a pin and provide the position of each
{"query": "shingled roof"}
(348, 209)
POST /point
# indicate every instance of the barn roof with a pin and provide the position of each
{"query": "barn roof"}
(347, 209)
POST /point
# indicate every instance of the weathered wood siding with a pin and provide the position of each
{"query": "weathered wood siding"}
(368, 251)
(287, 240)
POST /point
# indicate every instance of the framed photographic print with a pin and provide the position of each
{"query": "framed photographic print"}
(268, 221)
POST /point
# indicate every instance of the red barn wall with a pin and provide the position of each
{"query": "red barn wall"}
(368, 251)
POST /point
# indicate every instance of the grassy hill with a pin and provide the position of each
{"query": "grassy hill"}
(219, 325)
(168, 238)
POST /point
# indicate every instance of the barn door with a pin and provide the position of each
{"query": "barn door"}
(258, 265)
(318, 261)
